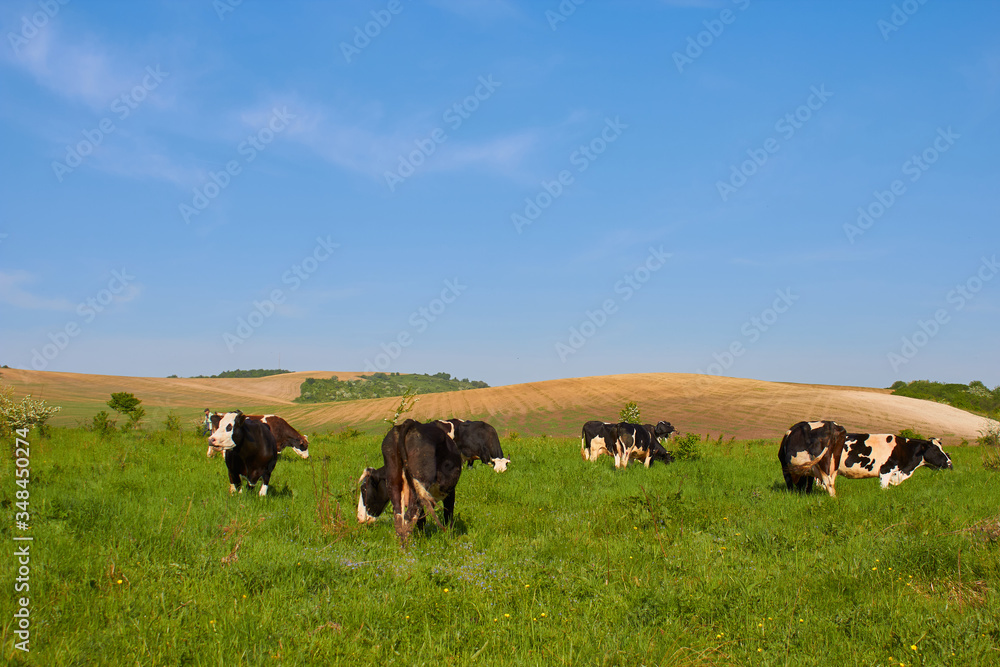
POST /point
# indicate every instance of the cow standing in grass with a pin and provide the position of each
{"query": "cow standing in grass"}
(597, 438)
(891, 458)
(638, 442)
(812, 449)
(250, 449)
(477, 441)
(422, 467)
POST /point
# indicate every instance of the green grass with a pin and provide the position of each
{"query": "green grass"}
(557, 561)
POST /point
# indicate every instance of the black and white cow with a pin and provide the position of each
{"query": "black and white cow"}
(812, 449)
(636, 441)
(250, 449)
(597, 438)
(661, 431)
(477, 441)
(284, 434)
(891, 458)
(422, 467)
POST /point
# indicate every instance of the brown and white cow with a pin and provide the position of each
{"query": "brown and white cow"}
(284, 434)
(812, 449)
(422, 467)
(250, 449)
(891, 458)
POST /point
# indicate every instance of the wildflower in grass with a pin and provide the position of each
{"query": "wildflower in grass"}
(760, 625)
(760, 650)
(874, 568)
(119, 581)
(543, 614)
(446, 590)
(506, 615)
(914, 646)
(802, 620)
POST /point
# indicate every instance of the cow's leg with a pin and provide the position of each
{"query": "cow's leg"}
(583, 449)
(268, 469)
(235, 482)
(401, 495)
(449, 508)
(211, 452)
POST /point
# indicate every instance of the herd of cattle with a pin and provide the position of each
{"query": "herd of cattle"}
(423, 461)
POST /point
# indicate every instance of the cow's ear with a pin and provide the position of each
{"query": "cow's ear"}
(240, 419)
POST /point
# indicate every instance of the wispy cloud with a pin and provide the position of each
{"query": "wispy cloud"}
(12, 294)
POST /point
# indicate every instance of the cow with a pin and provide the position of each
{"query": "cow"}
(284, 434)
(597, 438)
(891, 458)
(250, 448)
(422, 466)
(661, 431)
(477, 441)
(812, 449)
(636, 441)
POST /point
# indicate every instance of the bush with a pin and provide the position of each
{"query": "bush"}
(102, 423)
(630, 413)
(989, 438)
(172, 423)
(687, 447)
(25, 413)
(910, 433)
(127, 404)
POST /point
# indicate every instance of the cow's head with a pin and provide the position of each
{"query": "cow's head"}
(935, 456)
(663, 430)
(229, 432)
(301, 447)
(374, 495)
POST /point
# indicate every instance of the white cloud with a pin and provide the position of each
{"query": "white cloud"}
(12, 294)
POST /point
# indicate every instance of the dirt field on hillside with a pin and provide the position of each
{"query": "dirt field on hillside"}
(692, 403)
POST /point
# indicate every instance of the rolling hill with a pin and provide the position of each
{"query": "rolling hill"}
(693, 403)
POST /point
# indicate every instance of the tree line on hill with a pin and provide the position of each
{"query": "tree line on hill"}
(252, 373)
(974, 397)
(381, 385)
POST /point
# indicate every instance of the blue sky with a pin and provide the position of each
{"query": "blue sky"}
(506, 191)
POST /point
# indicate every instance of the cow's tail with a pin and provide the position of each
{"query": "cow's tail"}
(804, 468)
(428, 501)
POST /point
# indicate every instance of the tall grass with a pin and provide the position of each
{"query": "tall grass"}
(557, 561)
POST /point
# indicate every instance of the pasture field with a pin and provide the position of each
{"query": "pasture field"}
(141, 556)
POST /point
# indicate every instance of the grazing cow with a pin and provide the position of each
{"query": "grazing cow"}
(891, 458)
(598, 438)
(812, 449)
(661, 431)
(422, 467)
(476, 440)
(250, 449)
(284, 434)
(638, 442)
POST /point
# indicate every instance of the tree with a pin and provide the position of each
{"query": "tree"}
(630, 413)
(127, 404)
(26, 413)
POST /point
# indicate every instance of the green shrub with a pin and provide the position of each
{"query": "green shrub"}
(630, 413)
(910, 433)
(102, 423)
(989, 438)
(687, 447)
(172, 423)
